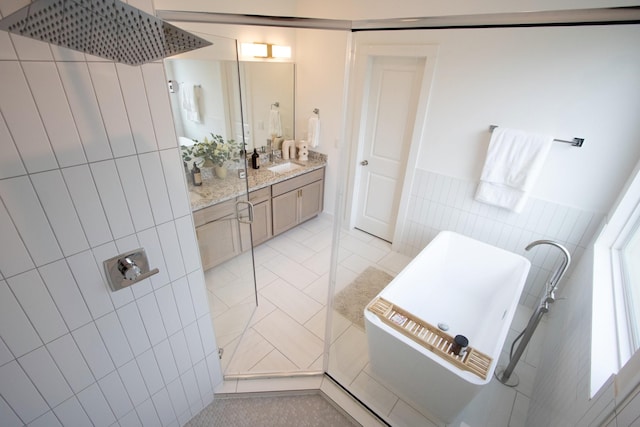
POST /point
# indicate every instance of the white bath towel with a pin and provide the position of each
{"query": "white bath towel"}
(513, 164)
(275, 126)
(189, 96)
(313, 132)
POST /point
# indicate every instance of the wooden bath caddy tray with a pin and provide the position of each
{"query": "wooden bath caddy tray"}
(430, 337)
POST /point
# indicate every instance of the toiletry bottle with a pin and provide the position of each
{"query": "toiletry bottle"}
(254, 159)
(196, 175)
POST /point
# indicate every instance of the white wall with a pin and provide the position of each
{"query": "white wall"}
(89, 169)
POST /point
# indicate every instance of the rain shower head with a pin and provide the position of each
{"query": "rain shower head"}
(105, 28)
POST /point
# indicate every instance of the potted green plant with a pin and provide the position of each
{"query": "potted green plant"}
(213, 152)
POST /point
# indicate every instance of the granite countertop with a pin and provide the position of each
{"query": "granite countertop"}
(215, 190)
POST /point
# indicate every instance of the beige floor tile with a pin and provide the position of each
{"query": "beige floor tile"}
(251, 350)
(319, 289)
(291, 271)
(274, 362)
(291, 300)
(294, 341)
(348, 355)
(404, 415)
(373, 393)
(291, 248)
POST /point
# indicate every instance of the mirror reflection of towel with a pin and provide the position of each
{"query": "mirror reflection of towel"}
(189, 99)
(313, 135)
(275, 126)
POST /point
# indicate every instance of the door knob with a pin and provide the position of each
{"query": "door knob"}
(364, 162)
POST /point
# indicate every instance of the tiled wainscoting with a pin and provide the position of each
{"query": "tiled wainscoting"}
(90, 169)
(439, 202)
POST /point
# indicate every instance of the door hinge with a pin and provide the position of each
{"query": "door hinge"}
(220, 352)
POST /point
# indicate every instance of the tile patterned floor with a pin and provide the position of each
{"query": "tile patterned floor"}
(287, 329)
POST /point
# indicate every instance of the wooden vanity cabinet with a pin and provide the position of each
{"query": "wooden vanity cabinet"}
(276, 208)
(261, 229)
(296, 200)
(218, 233)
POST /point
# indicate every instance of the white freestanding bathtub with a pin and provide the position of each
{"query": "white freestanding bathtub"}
(472, 287)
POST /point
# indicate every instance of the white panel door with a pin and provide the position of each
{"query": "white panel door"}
(389, 116)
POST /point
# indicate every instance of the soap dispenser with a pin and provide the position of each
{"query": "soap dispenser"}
(196, 176)
(254, 159)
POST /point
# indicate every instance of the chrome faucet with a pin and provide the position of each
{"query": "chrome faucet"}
(560, 271)
(506, 375)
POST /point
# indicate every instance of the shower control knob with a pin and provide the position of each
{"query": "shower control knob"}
(129, 269)
(364, 162)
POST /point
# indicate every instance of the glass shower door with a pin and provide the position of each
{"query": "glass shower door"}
(206, 100)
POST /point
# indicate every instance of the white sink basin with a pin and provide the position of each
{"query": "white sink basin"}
(284, 167)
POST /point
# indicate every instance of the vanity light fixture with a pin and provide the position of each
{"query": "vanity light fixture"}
(266, 50)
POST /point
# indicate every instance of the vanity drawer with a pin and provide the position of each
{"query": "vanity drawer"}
(213, 213)
(297, 182)
(260, 195)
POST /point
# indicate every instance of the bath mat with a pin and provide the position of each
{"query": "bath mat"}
(351, 301)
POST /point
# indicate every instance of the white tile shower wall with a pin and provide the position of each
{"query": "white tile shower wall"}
(439, 202)
(89, 168)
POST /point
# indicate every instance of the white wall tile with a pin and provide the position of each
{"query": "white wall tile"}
(48, 379)
(163, 406)
(64, 54)
(133, 382)
(114, 113)
(135, 192)
(171, 250)
(71, 414)
(180, 351)
(168, 310)
(93, 349)
(134, 328)
(202, 376)
(111, 193)
(152, 318)
(14, 257)
(96, 406)
(130, 420)
(89, 279)
(194, 343)
(56, 201)
(188, 243)
(166, 362)
(183, 301)
(23, 120)
(87, 203)
(190, 386)
(20, 393)
(150, 371)
(156, 187)
(69, 360)
(151, 243)
(114, 339)
(47, 420)
(5, 354)
(38, 305)
(206, 334)
(147, 414)
(15, 328)
(7, 52)
(135, 99)
(29, 49)
(116, 394)
(158, 95)
(84, 107)
(10, 162)
(65, 293)
(54, 110)
(8, 417)
(215, 369)
(198, 293)
(174, 175)
(177, 396)
(29, 218)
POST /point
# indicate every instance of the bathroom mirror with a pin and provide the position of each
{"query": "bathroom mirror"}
(265, 86)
